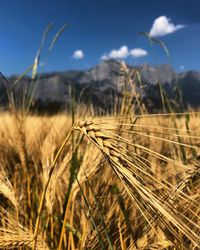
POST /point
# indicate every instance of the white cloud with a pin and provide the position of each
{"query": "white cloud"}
(163, 26)
(78, 54)
(124, 52)
(182, 67)
(138, 52)
(117, 54)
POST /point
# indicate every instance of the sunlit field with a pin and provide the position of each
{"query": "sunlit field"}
(111, 182)
(87, 178)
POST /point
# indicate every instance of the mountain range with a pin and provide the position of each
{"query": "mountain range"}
(104, 82)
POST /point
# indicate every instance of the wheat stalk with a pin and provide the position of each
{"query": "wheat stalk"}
(13, 234)
(7, 190)
(135, 183)
(150, 195)
(51, 170)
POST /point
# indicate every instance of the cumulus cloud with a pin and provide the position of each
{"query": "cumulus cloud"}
(117, 54)
(163, 26)
(138, 52)
(182, 67)
(124, 52)
(78, 54)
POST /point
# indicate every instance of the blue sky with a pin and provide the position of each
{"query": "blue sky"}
(99, 29)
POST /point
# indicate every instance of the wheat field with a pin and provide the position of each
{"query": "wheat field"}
(128, 179)
(107, 182)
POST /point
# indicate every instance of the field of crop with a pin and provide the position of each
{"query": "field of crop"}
(99, 156)
(126, 179)
(112, 182)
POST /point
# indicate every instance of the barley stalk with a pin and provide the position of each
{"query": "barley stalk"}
(135, 184)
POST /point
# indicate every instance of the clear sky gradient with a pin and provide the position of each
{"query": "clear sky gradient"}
(98, 29)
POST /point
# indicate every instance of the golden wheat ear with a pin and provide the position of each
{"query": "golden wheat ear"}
(141, 183)
(7, 191)
(14, 235)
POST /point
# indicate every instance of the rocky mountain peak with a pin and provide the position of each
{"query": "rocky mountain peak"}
(106, 70)
(103, 81)
(163, 73)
